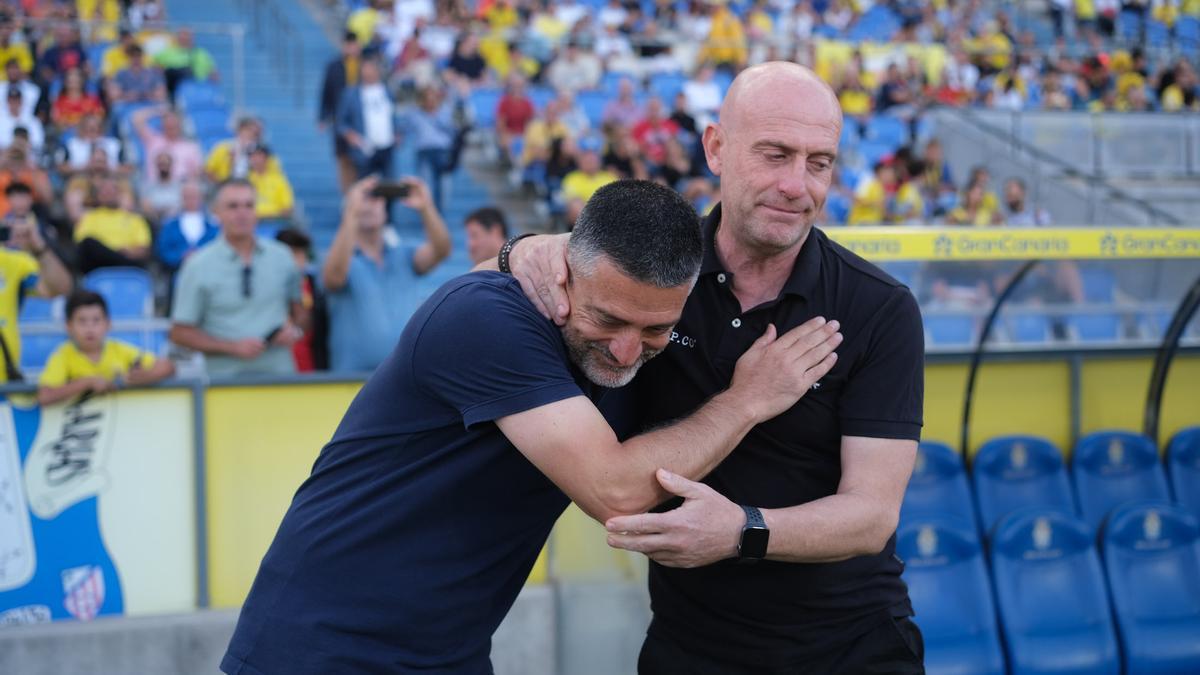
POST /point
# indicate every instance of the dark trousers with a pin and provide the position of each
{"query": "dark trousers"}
(94, 255)
(432, 165)
(893, 647)
(377, 163)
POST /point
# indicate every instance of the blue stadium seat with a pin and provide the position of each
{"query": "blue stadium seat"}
(1152, 555)
(483, 102)
(1050, 588)
(1187, 35)
(610, 82)
(1029, 328)
(1094, 327)
(1183, 463)
(141, 339)
(1114, 467)
(938, 485)
(194, 95)
(37, 347)
(1129, 26)
(1099, 285)
(872, 152)
(950, 330)
(851, 134)
(665, 86)
(904, 272)
(959, 627)
(879, 24)
(540, 96)
(887, 130)
(592, 102)
(210, 121)
(1157, 34)
(1015, 472)
(129, 291)
(38, 309)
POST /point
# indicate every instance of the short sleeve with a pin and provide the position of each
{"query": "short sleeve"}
(55, 373)
(885, 390)
(486, 352)
(141, 232)
(187, 307)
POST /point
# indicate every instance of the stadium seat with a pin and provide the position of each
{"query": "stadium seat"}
(37, 347)
(959, 627)
(210, 121)
(1015, 472)
(665, 86)
(1054, 607)
(851, 134)
(483, 102)
(887, 130)
(938, 485)
(871, 152)
(1187, 35)
(1129, 26)
(904, 272)
(950, 330)
(128, 291)
(1114, 467)
(610, 83)
(1094, 327)
(1158, 35)
(1029, 328)
(592, 102)
(541, 96)
(35, 309)
(138, 338)
(1183, 463)
(192, 95)
(1099, 285)
(1152, 555)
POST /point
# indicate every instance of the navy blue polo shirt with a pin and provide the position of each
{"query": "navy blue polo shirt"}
(420, 522)
(775, 614)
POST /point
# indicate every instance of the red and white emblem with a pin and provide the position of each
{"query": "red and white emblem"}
(83, 589)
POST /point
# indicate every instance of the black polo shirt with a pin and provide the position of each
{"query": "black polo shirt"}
(773, 613)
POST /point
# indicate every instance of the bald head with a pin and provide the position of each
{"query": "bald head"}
(760, 87)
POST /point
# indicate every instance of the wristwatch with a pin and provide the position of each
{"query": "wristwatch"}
(753, 545)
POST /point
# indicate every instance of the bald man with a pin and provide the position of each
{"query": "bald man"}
(782, 559)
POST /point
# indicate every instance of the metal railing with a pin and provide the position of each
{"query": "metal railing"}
(273, 31)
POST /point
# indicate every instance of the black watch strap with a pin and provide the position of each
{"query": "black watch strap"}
(755, 535)
(506, 250)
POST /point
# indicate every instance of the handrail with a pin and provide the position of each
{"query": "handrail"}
(1166, 354)
(1016, 144)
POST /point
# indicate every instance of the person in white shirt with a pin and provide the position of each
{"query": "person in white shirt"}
(30, 92)
(703, 96)
(13, 115)
(366, 119)
(574, 70)
(612, 14)
(570, 12)
(76, 151)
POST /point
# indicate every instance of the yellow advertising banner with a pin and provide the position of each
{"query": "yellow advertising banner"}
(1010, 243)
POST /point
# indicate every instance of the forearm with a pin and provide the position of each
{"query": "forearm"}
(54, 279)
(195, 339)
(830, 529)
(161, 370)
(337, 263)
(436, 232)
(691, 447)
(52, 395)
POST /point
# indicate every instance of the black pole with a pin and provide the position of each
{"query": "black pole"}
(1166, 353)
(977, 355)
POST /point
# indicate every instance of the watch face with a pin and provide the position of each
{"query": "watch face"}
(754, 542)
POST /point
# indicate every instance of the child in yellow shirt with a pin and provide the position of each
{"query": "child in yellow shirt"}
(89, 361)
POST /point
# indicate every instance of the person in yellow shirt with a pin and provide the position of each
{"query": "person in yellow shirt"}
(101, 18)
(541, 133)
(274, 198)
(726, 43)
(909, 205)
(114, 59)
(11, 50)
(27, 265)
(109, 236)
(975, 210)
(579, 185)
(501, 16)
(856, 101)
(90, 362)
(870, 205)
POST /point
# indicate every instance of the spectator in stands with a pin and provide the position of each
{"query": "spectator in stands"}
(231, 157)
(467, 65)
(1017, 211)
(13, 117)
(937, 181)
(15, 167)
(340, 73)
(110, 236)
(572, 115)
(161, 196)
(183, 60)
(574, 70)
(188, 231)
(65, 54)
(684, 119)
(26, 264)
(653, 131)
(856, 101)
(80, 192)
(908, 207)
(579, 185)
(19, 198)
(366, 121)
(187, 161)
(116, 57)
(433, 130)
(623, 158)
(624, 110)
(870, 205)
(74, 103)
(137, 83)
(274, 199)
(514, 111)
(12, 49)
(725, 46)
(92, 363)
(486, 233)
(100, 18)
(612, 45)
(31, 93)
(703, 95)
(981, 177)
(310, 352)
(540, 136)
(974, 209)
(369, 281)
(238, 299)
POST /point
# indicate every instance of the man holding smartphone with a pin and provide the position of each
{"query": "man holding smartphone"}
(370, 281)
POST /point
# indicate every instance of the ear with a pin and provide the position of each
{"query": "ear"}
(713, 141)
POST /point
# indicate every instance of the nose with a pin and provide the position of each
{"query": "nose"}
(626, 349)
(792, 183)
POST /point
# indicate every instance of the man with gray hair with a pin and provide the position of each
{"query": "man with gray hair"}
(424, 515)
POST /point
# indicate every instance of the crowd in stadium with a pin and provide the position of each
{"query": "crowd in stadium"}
(110, 153)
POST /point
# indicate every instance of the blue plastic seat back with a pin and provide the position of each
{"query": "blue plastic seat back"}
(938, 485)
(128, 291)
(483, 101)
(34, 308)
(1030, 328)
(950, 330)
(1095, 327)
(1114, 467)
(1016, 472)
(1183, 463)
(36, 348)
(665, 86)
(541, 96)
(1050, 589)
(592, 102)
(887, 130)
(1152, 555)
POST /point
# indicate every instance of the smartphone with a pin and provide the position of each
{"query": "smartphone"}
(271, 336)
(388, 190)
(5, 232)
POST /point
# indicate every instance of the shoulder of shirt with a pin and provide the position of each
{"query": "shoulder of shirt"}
(275, 248)
(855, 264)
(489, 293)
